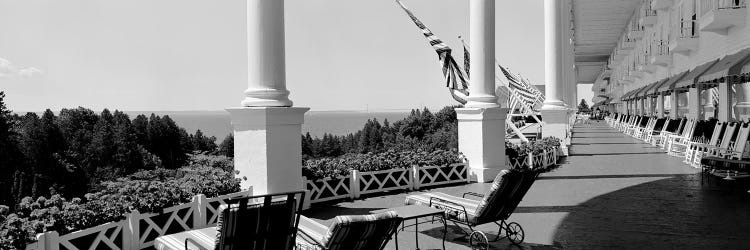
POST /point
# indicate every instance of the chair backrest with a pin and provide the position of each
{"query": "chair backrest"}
(718, 128)
(687, 131)
(506, 192)
(263, 222)
(681, 126)
(740, 141)
(665, 124)
(728, 134)
(363, 232)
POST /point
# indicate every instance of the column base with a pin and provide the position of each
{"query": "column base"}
(481, 138)
(266, 98)
(555, 122)
(267, 148)
(483, 174)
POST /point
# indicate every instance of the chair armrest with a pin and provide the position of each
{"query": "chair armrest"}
(191, 241)
(473, 194)
(312, 231)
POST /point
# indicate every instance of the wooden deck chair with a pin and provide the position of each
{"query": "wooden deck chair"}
(629, 130)
(674, 128)
(658, 129)
(696, 147)
(355, 232)
(726, 141)
(266, 222)
(640, 133)
(685, 134)
(683, 148)
(724, 162)
(630, 119)
(495, 206)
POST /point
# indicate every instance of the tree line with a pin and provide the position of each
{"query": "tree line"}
(72, 152)
(421, 130)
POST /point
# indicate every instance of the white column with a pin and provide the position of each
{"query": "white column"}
(553, 74)
(725, 102)
(554, 112)
(481, 125)
(267, 146)
(694, 103)
(265, 49)
(660, 105)
(708, 104)
(742, 108)
(482, 41)
(674, 105)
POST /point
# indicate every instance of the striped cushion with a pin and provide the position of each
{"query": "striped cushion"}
(452, 212)
(361, 231)
(203, 239)
(497, 203)
(256, 227)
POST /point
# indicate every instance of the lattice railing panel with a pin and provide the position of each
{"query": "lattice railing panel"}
(328, 188)
(172, 220)
(439, 175)
(107, 236)
(384, 180)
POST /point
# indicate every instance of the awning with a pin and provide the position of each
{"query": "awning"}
(655, 89)
(645, 91)
(639, 94)
(728, 66)
(689, 80)
(669, 85)
(626, 96)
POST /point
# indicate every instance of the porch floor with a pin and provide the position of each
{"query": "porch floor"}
(613, 191)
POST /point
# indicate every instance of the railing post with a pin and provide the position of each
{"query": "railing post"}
(531, 160)
(416, 181)
(199, 211)
(308, 194)
(354, 184)
(545, 158)
(133, 228)
(48, 241)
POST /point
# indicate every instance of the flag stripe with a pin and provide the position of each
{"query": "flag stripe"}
(455, 79)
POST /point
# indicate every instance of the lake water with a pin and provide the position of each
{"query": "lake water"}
(217, 123)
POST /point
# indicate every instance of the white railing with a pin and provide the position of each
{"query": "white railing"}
(357, 183)
(709, 5)
(138, 231)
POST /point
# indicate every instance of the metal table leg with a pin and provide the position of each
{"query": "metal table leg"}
(445, 229)
(416, 231)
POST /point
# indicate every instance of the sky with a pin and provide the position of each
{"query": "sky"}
(191, 54)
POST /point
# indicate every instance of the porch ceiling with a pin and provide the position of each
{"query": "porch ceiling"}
(598, 27)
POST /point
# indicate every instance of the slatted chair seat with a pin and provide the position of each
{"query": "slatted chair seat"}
(356, 232)
(454, 207)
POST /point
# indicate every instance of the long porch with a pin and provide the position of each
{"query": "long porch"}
(611, 192)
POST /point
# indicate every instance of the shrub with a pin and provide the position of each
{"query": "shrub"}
(144, 191)
(333, 167)
(520, 152)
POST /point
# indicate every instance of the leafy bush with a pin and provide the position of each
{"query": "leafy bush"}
(144, 191)
(520, 152)
(339, 166)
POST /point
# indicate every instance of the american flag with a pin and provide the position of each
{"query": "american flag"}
(466, 60)
(528, 93)
(455, 79)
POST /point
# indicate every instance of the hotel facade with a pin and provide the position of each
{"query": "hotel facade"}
(676, 58)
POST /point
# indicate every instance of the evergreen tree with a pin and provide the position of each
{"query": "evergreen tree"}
(10, 155)
(226, 148)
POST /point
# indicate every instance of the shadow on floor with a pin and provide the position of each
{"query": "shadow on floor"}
(672, 213)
